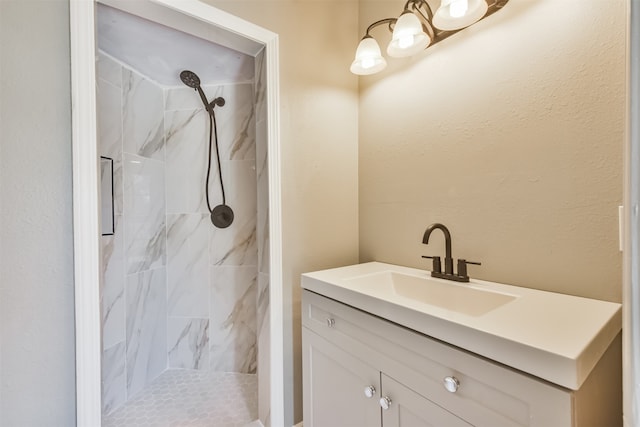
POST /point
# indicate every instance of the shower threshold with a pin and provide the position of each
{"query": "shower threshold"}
(191, 398)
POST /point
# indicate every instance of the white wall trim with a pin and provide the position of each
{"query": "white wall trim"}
(631, 274)
(86, 216)
(276, 293)
(85, 197)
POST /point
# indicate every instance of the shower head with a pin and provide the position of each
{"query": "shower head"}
(193, 81)
(190, 79)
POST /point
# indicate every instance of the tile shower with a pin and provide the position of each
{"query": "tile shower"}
(178, 293)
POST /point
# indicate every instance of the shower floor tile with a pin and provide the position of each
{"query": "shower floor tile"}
(191, 398)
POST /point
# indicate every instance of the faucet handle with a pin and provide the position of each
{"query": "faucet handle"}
(436, 263)
(462, 266)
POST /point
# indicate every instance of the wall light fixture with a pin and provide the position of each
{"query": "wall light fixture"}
(417, 28)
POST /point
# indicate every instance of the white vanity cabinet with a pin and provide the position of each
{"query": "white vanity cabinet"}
(362, 370)
(348, 392)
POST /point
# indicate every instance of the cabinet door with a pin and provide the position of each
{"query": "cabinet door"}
(334, 386)
(409, 409)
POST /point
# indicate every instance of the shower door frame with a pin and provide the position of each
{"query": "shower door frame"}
(86, 215)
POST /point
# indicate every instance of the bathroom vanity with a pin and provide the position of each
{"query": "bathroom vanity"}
(385, 345)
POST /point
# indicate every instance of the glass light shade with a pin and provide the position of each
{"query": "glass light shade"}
(458, 8)
(451, 14)
(368, 59)
(408, 36)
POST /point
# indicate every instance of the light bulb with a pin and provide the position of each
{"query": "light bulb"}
(458, 8)
(405, 41)
(456, 14)
(368, 58)
(408, 36)
(367, 63)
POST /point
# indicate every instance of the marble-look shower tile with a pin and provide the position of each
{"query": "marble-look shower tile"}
(107, 210)
(262, 300)
(188, 265)
(114, 381)
(241, 185)
(109, 105)
(109, 70)
(182, 98)
(109, 124)
(260, 87)
(262, 312)
(144, 206)
(233, 346)
(235, 120)
(112, 295)
(146, 328)
(188, 343)
(116, 185)
(143, 116)
(236, 245)
(262, 163)
(262, 153)
(186, 163)
(264, 373)
(263, 242)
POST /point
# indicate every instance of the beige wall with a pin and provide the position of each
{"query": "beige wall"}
(37, 354)
(319, 116)
(511, 134)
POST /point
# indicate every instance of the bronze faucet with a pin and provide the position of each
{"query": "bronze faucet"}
(448, 274)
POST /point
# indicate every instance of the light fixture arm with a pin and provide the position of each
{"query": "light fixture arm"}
(416, 5)
(389, 21)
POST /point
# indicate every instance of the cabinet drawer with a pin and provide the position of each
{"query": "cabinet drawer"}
(489, 394)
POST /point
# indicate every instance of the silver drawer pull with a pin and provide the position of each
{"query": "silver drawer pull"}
(370, 391)
(331, 322)
(385, 402)
(451, 384)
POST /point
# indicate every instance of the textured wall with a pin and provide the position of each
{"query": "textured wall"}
(511, 134)
(36, 266)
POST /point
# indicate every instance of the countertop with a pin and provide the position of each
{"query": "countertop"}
(556, 337)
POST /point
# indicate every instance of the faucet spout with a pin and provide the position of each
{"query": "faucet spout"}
(448, 260)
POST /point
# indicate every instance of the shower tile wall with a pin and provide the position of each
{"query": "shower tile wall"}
(134, 286)
(263, 241)
(177, 292)
(212, 273)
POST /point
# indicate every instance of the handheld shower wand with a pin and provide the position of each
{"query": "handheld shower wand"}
(190, 79)
(221, 215)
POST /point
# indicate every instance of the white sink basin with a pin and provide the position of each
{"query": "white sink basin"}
(556, 337)
(462, 298)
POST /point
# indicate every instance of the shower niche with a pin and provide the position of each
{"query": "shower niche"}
(179, 295)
